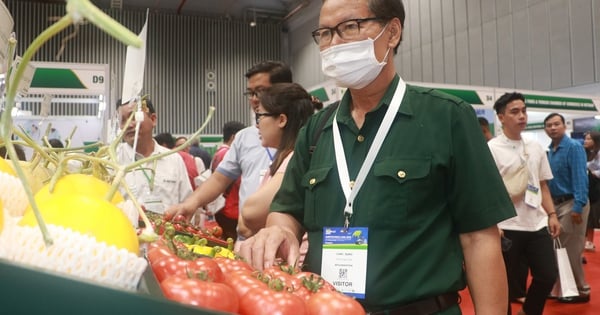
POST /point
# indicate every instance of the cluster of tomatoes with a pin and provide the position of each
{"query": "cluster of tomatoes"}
(212, 232)
(231, 285)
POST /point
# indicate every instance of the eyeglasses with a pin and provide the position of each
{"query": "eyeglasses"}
(347, 30)
(258, 115)
(254, 93)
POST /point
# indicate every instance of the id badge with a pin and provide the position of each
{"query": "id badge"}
(344, 262)
(153, 203)
(533, 198)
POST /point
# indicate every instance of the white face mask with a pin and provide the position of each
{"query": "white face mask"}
(353, 65)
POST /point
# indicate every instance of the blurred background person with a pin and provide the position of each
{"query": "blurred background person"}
(485, 128)
(201, 156)
(227, 218)
(591, 144)
(167, 140)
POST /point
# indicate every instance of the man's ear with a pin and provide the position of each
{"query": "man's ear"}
(154, 119)
(395, 32)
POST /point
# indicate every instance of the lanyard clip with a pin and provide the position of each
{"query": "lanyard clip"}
(346, 220)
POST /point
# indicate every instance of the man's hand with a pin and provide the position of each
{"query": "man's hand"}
(553, 226)
(183, 208)
(576, 217)
(261, 250)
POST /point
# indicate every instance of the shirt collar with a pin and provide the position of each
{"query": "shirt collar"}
(129, 153)
(344, 115)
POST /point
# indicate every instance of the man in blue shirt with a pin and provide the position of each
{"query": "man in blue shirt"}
(569, 189)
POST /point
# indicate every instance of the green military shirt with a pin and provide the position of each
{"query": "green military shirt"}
(433, 179)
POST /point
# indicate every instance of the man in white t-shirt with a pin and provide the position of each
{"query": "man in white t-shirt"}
(246, 157)
(530, 233)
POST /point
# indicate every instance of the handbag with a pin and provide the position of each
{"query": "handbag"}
(565, 285)
(516, 182)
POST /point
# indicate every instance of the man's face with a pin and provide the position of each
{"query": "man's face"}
(555, 128)
(514, 118)
(145, 127)
(256, 83)
(179, 142)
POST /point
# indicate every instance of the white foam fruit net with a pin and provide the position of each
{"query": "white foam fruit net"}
(13, 194)
(74, 254)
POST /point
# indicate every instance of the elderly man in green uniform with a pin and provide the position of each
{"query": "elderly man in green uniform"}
(406, 167)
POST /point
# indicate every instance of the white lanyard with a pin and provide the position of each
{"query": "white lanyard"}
(349, 188)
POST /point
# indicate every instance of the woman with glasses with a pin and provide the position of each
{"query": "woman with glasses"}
(283, 109)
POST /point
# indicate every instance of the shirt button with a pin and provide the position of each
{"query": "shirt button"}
(312, 181)
(401, 174)
(360, 138)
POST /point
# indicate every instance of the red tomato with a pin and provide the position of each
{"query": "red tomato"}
(328, 302)
(243, 281)
(207, 265)
(211, 295)
(174, 265)
(157, 251)
(217, 231)
(168, 266)
(258, 301)
(314, 282)
(229, 265)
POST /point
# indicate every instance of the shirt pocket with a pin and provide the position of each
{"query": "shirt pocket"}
(399, 191)
(317, 196)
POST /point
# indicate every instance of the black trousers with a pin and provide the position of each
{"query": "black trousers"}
(537, 248)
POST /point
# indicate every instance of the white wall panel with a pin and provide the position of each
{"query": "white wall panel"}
(488, 10)
(450, 60)
(414, 24)
(582, 44)
(475, 56)
(596, 38)
(463, 60)
(502, 8)
(507, 52)
(490, 54)
(540, 46)
(438, 61)
(417, 64)
(448, 17)
(474, 13)
(425, 22)
(522, 43)
(427, 63)
(436, 20)
(560, 44)
(405, 69)
(460, 16)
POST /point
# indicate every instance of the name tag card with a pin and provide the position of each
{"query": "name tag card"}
(344, 261)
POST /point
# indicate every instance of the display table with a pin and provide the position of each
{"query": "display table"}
(25, 290)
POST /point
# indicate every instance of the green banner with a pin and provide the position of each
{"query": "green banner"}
(56, 78)
(559, 103)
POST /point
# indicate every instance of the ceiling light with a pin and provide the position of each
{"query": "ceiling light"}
(253, 22)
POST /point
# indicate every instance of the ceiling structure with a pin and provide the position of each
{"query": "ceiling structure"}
(261, 11)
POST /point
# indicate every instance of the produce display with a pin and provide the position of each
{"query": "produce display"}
(223, 282)
(70, 227)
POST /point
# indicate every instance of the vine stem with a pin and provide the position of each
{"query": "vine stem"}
(6, 119)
